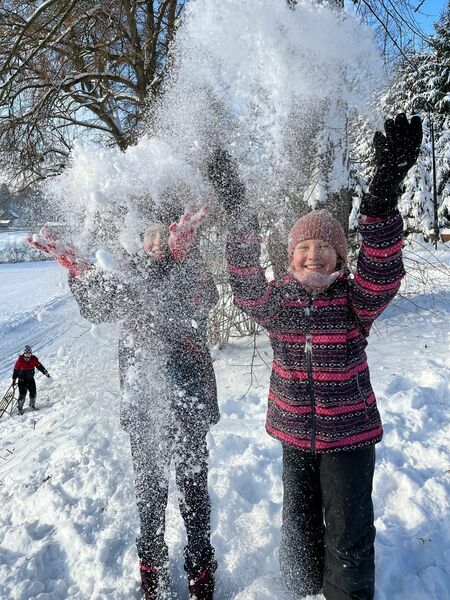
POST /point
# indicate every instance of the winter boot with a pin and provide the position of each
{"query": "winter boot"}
(20, 403)
(201, 582)
(155, 582)
(33, 403)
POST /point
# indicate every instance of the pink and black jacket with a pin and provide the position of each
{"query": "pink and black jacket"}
(320, 397)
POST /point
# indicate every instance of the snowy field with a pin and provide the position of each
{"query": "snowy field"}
(68, 520)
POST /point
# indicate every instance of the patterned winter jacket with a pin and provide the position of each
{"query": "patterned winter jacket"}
(24, 369)
(164, 360)
(320, 397)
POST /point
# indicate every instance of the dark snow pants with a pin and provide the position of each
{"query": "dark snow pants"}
(152, 463)
(328, 532)
(24, 387)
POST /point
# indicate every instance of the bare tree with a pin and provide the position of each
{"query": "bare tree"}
(73, 69)
(395, 23)
(396, 26)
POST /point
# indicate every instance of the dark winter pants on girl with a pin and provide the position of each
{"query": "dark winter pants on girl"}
(328, 532)
(24, 387)
(151, 461)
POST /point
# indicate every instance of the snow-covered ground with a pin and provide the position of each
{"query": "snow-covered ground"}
(68, 520)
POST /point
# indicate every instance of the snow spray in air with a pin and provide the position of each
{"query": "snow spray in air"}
(254, 77)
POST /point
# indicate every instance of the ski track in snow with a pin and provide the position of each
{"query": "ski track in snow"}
(68, 521)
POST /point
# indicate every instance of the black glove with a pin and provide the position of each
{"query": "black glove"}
(395, 153)
(48, 375)
(224, 177)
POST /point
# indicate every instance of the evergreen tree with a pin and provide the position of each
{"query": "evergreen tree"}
(441, 45)
(421, 85)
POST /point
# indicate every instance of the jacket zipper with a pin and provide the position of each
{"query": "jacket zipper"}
(366, 416)
(308, 311)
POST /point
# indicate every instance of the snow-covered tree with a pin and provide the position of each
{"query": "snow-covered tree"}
(421, 85)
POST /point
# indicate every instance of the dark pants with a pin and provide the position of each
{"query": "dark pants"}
(328, 533)
(152, 462)
(24, 387)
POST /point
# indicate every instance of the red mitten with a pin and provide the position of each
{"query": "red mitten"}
(50, 243)
(182, 234)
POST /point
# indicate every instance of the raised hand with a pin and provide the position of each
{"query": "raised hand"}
(396, 151)
(50, 243)
(224, 176)
(182, 234)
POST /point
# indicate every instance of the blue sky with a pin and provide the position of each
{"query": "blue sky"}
(429, 13)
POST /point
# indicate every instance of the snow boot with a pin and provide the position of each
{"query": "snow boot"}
(20, 404)
(201, 582)
(155, 582)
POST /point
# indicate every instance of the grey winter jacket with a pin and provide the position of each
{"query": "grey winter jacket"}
(165, 366)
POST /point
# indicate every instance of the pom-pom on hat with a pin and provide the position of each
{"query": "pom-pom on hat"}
(319, 225)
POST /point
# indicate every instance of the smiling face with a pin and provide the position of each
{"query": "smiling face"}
(314, 256)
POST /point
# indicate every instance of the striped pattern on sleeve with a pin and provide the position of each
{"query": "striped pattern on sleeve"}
(379, 268)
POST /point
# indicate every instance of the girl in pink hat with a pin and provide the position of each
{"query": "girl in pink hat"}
(321, 404)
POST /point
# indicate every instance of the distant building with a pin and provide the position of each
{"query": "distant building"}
(8, 218)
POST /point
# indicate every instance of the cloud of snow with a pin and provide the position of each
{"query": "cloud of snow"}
(251, 76)
(260, 62)
(108, 193)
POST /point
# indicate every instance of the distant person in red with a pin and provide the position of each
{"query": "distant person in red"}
(24, 372)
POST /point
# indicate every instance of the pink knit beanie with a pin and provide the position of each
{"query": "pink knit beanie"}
(319, 225)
